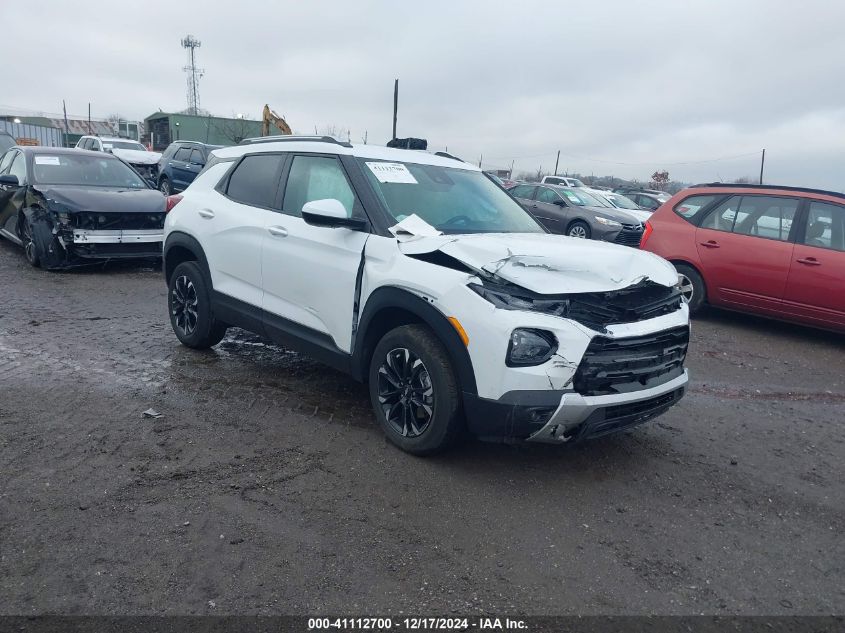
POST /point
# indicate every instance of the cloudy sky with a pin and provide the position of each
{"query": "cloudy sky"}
(620, 87)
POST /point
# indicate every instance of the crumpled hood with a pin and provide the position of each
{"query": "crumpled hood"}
(549, 264)
(137, 157)
(101, 199)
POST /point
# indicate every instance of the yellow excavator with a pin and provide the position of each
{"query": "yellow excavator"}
(268, 117)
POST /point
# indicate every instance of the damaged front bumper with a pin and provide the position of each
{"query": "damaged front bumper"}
(84, 236)
(587, 417)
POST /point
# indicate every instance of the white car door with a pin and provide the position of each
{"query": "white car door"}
(309, 271)
(231, 224)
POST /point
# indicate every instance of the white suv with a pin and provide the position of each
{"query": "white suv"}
(419, 275)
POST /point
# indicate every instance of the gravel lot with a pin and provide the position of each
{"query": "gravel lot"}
(266, 487)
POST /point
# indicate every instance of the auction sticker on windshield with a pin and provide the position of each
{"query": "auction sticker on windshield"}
(392, 172)
(47, 160)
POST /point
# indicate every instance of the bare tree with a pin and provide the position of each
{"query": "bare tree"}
(660, 179)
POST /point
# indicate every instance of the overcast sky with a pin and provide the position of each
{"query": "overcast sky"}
(619, 87)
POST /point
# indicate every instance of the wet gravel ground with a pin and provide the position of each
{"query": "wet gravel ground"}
(266, 487)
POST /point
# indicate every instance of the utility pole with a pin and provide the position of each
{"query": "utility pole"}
(510, 175)
(480, 158)
(90, 131)
(762, 162)
(557, 160)
(67, 129)
(395, 104)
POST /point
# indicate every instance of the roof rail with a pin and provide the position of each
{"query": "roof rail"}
(837, 194)
(282, 138)
(447, 155)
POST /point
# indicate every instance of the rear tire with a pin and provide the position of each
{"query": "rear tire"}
(692, 287)
(414, 391)
(579, 229)
(189, 305)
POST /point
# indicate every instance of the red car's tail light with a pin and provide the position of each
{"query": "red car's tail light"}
(170, 202)
(646, 233)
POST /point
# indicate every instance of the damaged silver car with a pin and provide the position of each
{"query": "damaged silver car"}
(420, 276)
(69, 207)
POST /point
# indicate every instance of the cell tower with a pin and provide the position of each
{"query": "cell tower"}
(190, 43)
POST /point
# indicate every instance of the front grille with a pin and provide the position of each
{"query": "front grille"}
(645, 300)
(630, 235)
(114, 221)
(624, 416)
(626, 364)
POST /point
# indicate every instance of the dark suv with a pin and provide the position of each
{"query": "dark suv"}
(180, 163)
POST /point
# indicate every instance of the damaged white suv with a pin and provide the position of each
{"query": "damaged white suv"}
(419, 275)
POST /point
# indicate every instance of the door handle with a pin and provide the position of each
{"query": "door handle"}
(710, 244)
(206, 213)
(278, 231)
(810, 261)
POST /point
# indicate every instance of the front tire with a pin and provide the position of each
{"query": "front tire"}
(164, 186)
(580, 230)
(692, 287)
(414, 391)
(189, 304)
(30, 248)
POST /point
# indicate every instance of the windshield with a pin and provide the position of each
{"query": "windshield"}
(623, 203)
(124, 145)
(451, 200)
(581, 198)
(80, 169)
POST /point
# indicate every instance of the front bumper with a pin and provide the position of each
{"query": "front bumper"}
(85, 236)
(587, 417)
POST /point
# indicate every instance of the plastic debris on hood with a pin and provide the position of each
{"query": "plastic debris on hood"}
(413, 227)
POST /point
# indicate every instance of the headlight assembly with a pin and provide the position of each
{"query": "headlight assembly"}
(530, 347)
(607, 221)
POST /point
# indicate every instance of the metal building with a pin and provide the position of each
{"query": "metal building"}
(167, 127)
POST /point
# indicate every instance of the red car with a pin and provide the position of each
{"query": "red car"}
(773, 251)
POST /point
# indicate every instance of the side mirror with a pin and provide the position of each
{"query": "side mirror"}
(9, 180)
(331, 213)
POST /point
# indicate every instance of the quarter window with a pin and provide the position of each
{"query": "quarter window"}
(522, 191)
(688, 207)
(256, 180)
(316, 178)
(825, 226)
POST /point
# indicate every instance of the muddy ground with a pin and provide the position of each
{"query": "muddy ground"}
(266, 487)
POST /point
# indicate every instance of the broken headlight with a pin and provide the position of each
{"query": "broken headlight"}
(530, 347)
(512, 300)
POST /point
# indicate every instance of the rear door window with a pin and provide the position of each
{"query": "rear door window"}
(825, 226)
(255, 180)
(722, 217)
(766, 216)
(544, 194)
(196, 157)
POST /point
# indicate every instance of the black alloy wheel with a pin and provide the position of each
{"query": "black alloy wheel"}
(183, 305)
(29, 248)
(405, 392)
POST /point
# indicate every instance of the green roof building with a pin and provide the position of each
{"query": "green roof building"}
(166, 127)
